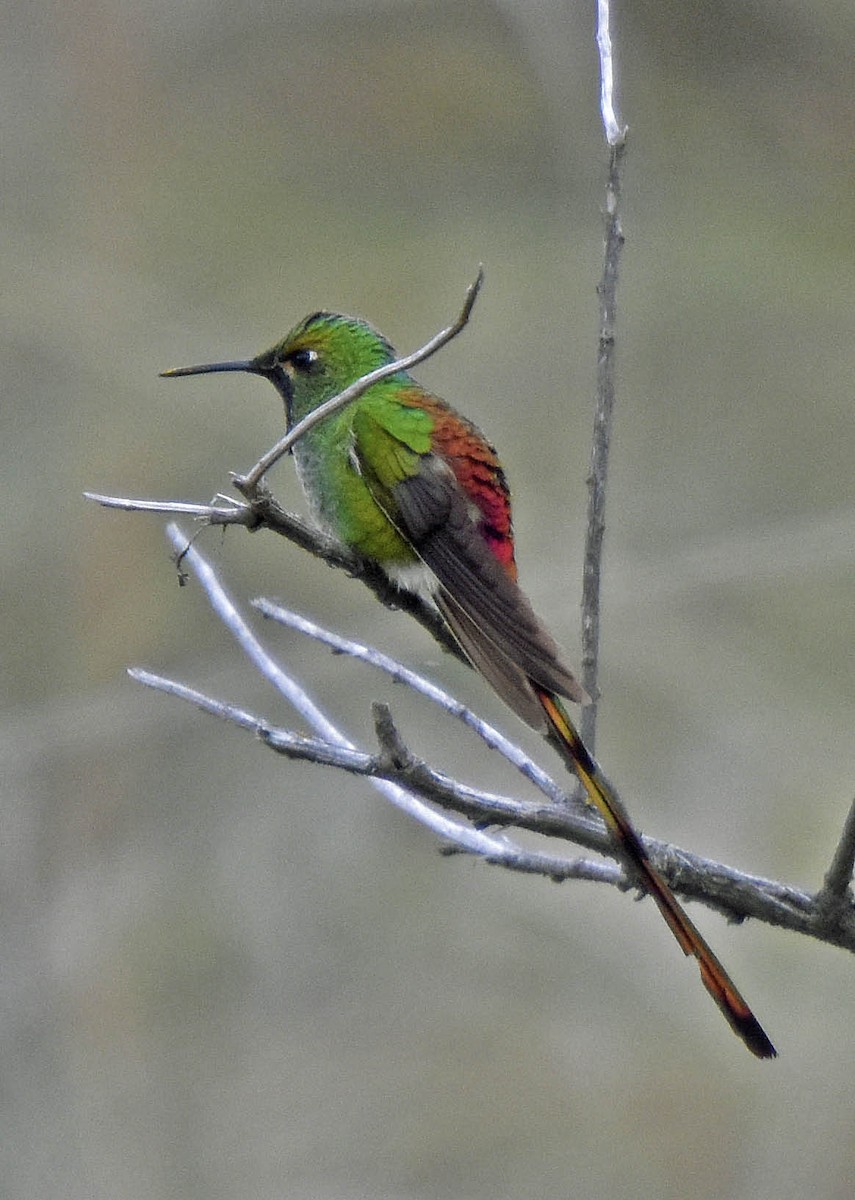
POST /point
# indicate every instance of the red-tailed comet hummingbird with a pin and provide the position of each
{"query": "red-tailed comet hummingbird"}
(408, 483)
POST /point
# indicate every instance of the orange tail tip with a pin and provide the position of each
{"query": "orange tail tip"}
(736, 1012)
(602, 795)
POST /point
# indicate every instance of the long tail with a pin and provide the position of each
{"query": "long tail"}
(602, 795)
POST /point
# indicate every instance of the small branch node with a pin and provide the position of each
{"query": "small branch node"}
(394, 750)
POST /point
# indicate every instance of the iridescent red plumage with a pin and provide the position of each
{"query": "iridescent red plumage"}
(476, 466)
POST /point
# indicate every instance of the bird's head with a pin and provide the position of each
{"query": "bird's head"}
(321, 356)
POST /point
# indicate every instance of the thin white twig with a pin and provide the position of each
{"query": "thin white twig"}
(232, 513)
(473, 841)
(615, 131)
(401, 674)
(458, 837)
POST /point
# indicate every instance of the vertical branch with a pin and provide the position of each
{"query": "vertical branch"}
(615, 134)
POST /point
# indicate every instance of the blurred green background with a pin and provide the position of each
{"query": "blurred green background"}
(223, 976)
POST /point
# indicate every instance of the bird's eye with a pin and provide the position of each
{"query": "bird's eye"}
(304, 360)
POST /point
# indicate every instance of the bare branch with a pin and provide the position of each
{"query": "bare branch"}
(330, 753)
(604, 411)
(414, 786)
(470, 840)
(401, 674)
(246, 484)
(733, 892)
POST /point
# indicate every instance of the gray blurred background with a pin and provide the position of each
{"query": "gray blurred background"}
(223, 976)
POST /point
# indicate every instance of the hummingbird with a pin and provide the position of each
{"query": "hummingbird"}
(406, 482)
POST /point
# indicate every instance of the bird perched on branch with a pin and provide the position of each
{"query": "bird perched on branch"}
(406, 482)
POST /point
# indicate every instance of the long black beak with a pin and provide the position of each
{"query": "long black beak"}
(244, 364)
